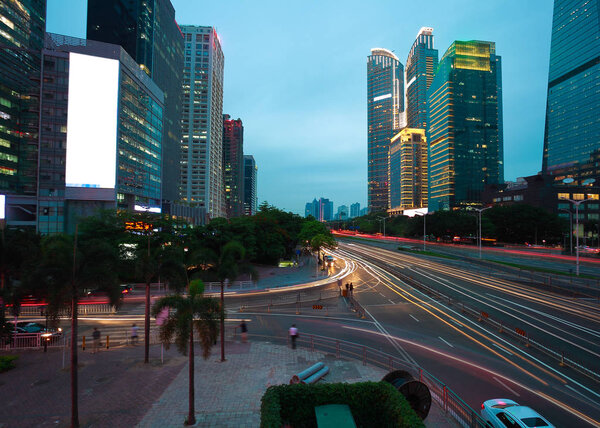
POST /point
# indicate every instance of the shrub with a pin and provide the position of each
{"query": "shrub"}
(373, 404)
(7, 362)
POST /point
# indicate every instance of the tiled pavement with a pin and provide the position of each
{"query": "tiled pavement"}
(118, 390)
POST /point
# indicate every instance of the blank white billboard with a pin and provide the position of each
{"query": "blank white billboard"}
(92, 121)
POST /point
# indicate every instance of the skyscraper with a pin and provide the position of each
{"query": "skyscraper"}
(202, 121)
(408, 169)
(354, 210)
(250, 184)
(312, 208)
(421, 64)
(572, 133)
(233, 166)
(465, 125)
(22, 28)
(147, 30)
(385, 103)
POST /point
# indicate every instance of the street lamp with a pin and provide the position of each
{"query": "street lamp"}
(570, 229)
(577, 203)
(479, 210)
(384, 219)
(424, 215)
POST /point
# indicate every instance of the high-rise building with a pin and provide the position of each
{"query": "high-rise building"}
(572, 132)
(233, 165)
(342, 212)
(325, 209)
(465, 125)
(421, 64)
(250, 184)
(354, 210)
(385, 105)
(202, 121)
(100, 134)
(22, 28)
(312, 208)
(148, 32)
(408, 169)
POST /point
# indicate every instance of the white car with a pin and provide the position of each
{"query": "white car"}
(504, 413)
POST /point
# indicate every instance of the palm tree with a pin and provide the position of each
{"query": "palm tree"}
(226, 263)
(185, 314)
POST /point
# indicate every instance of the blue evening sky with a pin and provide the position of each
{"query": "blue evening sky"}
(295, 73)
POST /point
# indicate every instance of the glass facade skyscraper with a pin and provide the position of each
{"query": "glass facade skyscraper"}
(385, 104)
(233, 165)
(465, 125)
(250, 184)
(202, 121)
(408, 169)
(22, 27)
(421, 64)
(148, 32)
(572, 134)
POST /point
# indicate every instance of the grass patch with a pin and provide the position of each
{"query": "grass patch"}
(7, 362)
(428, 253)
(543, 270)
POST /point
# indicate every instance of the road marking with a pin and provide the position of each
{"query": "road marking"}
(413, 318)
(584, 396)
(502, 349)
(446, 342)
(391, 301)
(382, 294)
(506, 386)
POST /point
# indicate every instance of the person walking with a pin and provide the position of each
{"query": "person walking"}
(134, 334)
(351, 289)
(244, 329)
(293, 335)
(96, 337)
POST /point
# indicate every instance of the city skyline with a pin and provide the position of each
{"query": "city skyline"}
(331, 158)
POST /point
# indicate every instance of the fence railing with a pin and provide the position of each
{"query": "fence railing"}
(516, 333)
(82, 309)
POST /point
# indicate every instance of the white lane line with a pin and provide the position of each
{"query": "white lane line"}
(506, 386)
(391, 301)
(582, 394)
(382, 294)
(502, 349)
(413, 318)
(446, 342)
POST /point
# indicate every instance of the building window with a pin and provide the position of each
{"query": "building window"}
(594, 196)
(518, 197)
(563, 196)
(578, 196)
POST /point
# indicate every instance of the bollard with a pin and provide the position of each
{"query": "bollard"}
(107, 341)
(83, 344)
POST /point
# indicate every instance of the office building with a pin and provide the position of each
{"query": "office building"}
(421, 64)
(321, 209)
(385, 105)
(312, 209)
(465, 125)
(408, 169)
(100, 134)
(148, 32)
(355, 210)
(250, 185)
(233, 166)
(22, 28)
(572, 132)
(342, 213)
(202, 121)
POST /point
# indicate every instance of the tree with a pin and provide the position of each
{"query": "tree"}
(185, 314)
(322, 241)
(66, 268)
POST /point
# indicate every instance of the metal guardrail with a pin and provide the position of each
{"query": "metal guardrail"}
(82, 309)
(514, 332)
(299, 299)
(447, 399)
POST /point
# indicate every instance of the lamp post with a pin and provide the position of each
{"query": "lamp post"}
(480, 210)
(577, 203)
(424, 215)
(570, 229)
(384, 219)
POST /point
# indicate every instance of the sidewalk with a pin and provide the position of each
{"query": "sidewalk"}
(118, 390)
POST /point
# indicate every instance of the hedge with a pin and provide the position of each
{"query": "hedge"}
(373, 404)
(7, 362)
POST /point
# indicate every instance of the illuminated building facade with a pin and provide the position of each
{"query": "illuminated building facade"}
(148, 32)
(202, 121)
(465, 125)
(22, 27)
(572, 133)
(421, 64)
(385, 106)
(250, 185)
(408, 169)
(100, 139)
(233, 165)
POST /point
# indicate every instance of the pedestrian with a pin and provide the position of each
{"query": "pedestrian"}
(244, 329)
(293, 335)
(96, 337)
(134, 334)
(347, 286)
(351, 289)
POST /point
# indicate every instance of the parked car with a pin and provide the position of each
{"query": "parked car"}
(34, 327)
(328, 260)
(504, 413)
